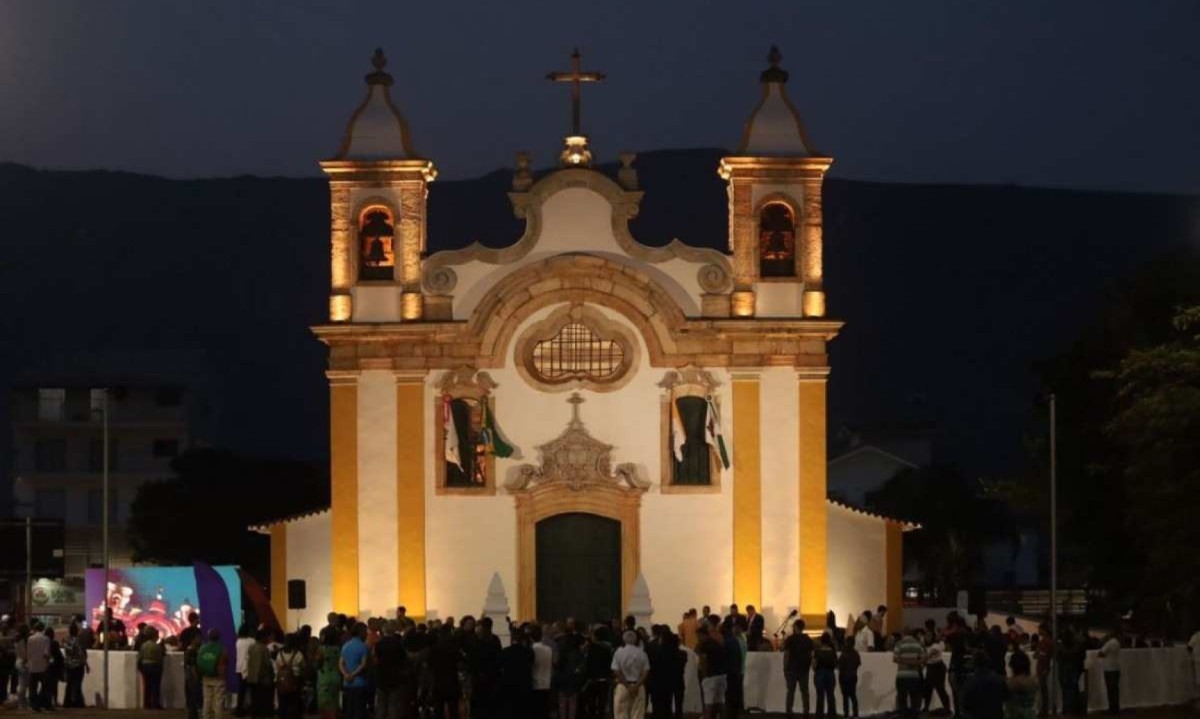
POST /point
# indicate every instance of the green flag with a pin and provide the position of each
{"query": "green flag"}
(493, 437)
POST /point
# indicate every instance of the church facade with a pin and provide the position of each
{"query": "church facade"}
(577, 423)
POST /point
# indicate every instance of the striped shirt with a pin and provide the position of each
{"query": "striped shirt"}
(908, 655)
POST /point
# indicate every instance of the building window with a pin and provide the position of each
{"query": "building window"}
(96, 401)
(52, 404)
(777, 241)
(694, 448)
(467, 439)
(96, 454)
(574, 352)
(50, 504)
(95, 501)
(577, 347)
(376, 246)
(165, 448)
(465, 454)
(168, 397)
(50, 455)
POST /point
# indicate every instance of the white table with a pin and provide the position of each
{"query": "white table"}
(1149, 677)
(125, 683)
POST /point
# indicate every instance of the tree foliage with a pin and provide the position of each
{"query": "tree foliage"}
(1156, 429)
(1124, 411)
(204, 512)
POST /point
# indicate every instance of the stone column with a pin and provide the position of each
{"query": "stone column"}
(813, 512)
(743, 233)
(343, 466)
(495, 605)
(813, 270)
(411, 242)
(410, 490)
(747, 488)
(640, 605)
(343, 257)
(279, 572)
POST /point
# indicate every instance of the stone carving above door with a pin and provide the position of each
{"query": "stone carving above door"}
(577, 461)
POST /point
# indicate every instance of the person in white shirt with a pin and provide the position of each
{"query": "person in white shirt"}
(630, 667)
(864, 640)
(543, 668)
(241, 655)
(1110, 656)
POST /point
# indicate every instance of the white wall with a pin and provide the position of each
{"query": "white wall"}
(308, 551)
(576, 220)
(857, 562)
(378, 584)
(686, 539)
(780, 493)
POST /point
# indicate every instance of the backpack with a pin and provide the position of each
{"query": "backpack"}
(73, 655)
(285, 679)
(207, 659)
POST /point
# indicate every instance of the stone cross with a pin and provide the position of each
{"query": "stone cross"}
(576, 77)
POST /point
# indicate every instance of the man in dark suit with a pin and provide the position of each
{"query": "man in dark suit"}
(755, 629)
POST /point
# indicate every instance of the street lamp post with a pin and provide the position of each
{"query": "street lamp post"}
(104, 533)
(1053, 518)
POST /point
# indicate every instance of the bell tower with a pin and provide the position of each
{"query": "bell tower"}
(774, 185)
(378, 187)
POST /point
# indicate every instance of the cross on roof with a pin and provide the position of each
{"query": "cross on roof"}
(576, 77)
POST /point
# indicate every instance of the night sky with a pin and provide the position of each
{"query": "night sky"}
(1079, 93)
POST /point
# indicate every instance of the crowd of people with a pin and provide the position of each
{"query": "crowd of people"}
(403, 669)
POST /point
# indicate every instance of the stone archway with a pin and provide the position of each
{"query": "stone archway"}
(575, 475)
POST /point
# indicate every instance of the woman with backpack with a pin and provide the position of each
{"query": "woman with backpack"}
(76, 665)
(289, 672)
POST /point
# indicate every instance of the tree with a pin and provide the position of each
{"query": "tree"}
(1156, 428)
(1099, 547)
(958, 520)
(204, 512)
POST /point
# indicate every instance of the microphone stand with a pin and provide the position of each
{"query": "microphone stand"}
(786, 621)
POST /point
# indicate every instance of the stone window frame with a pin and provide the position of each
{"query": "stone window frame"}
(780, 198)
(462, 384)
(360, 209)
(600, 325)
(686, 382)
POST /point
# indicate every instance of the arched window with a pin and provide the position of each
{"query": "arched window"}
(576, 352)
(376, 252)
(777, 241)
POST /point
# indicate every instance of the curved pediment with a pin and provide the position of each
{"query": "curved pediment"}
(623, 206)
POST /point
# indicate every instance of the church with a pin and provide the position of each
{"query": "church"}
(578, 424)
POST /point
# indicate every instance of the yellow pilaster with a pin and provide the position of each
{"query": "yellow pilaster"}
(343, 470)
(813, 510)
(410, 491)
(895, 577)
(279, 575)
(747, 491)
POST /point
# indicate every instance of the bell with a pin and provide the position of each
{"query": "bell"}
(377, 225)
(375, 254)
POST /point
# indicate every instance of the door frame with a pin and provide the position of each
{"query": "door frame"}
(552, 498)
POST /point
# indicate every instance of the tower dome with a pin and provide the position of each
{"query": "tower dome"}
(774, 127)
(377, 130)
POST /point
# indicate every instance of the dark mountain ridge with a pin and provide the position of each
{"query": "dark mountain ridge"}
(950, 293)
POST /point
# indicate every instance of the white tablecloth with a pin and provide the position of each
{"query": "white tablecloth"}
(125, 683)
(1149, 677)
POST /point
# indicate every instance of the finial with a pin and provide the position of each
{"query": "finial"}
(575, 400)
(774, 73)
(523, 176)
(379, 77)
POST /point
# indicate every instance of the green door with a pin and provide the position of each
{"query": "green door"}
(578, 568)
